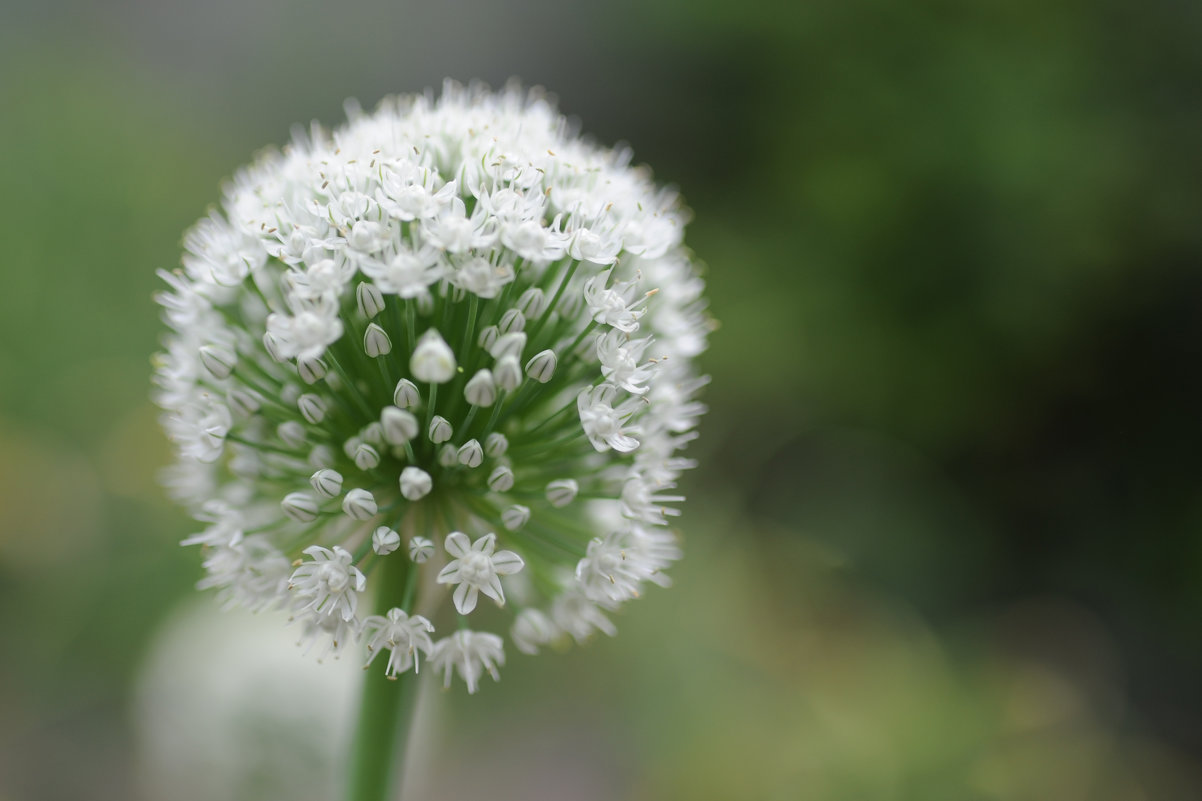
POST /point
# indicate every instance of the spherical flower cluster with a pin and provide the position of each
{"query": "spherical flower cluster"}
(444, 350)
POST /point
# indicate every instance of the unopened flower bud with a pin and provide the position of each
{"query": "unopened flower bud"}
(370, 299)
(448, 456)
(440, 429)
(562, 491)
(500, 479)
(376, 341)
(425, 303)
(570, 306)
(272, 346)
(217, 360)
(488, 337)
(311, 370)
(246, 464)
(481, 389)
(322, 456)
(406, 396)
(300, 506)
(366, 457)
(372, 433)
(326, 482)
(399, 425)
(421, 549)
(515, 517)
(359, 504)
(532, 629)
(495, 444)
(432, 360)
(312, 407)
(292, 433)
(243, 401)
(470, 454)
(384, 540)
(508, 373)
(532, 302)
(511, 321)
(415, 483)
(510, 344)
(541, 366)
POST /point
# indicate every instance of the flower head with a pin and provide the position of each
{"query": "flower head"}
(449, 321)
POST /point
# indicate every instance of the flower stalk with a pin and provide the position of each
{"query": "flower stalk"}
(386, 707)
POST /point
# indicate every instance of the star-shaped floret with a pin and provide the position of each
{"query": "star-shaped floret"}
(476, 568)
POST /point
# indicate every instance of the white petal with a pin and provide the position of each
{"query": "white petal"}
(507, 562)
(449, 574)
(457, 544)
(465, 598)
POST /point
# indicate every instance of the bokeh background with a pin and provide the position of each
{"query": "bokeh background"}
(946, 541)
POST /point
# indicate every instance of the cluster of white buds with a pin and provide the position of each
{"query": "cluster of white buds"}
(449, 344)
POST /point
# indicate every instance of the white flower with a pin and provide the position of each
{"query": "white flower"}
(453, 231)
(407, 273)
(449, 312)
(471, 653)
(329, 584)
(220, 253)
(409, 192)
(532, 630)
(401, 635)
(307, 333)
(476, 569)
(609, 574)
(613, 306)
(604, 423)
(620, 365)
(247, 572)
(642, 501)
(481, 277)
(578, 616)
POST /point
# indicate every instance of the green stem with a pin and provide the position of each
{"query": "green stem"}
(378, 751)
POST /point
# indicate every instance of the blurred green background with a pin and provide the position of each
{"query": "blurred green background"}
(945, 541)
